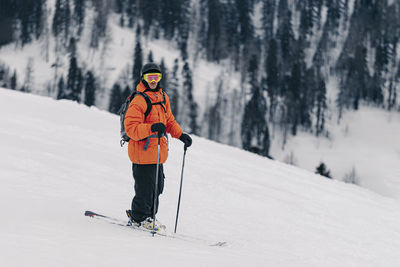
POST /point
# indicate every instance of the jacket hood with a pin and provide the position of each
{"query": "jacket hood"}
(141, 87)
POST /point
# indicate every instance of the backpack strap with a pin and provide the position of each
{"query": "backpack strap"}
(148, 102)
(161, 103)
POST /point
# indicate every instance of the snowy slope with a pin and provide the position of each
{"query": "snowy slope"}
(352, 144)
(58, 159)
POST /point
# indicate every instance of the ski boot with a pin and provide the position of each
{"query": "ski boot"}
(147, 223)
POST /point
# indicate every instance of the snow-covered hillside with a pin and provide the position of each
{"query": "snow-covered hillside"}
(58, 159)
(218, 87)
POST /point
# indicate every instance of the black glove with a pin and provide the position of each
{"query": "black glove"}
(159, 128)
(186, 139)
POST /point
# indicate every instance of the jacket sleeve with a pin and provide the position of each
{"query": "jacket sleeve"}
(173, 127)
(134, 124)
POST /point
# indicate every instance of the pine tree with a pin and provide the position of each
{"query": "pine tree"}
(164, 71)
(286, 37)
(99, 26)
(26, 18)
(293, 98)
(90, 89)
(231, 27)
(61, 88)
(254, 128)
(307, 89)
(247, 43)
(39, 16)
(119, 6)
(58, 18)
(306, 20)
(282, 10)
(333, 16)
(79, 15)
(116, 99)
(359, 82)
(137, 60)
(169, 17)
(72, 46)
(183, 27)
(61, 19)
(67, 19)
(382, 58)
(246, 28)
(150, 56)
(268, 15)
(321, 107)
(149, 13)
(8, 15)
(375, 92)
(13, 81)
(4, 79)
(272, 79)
(318, 58)
(215, 115)
(29, 77)
(191, 105)
(46, 32)
(391, 89)
(79, 85)
(126, 93)
(397, 79)
(213, 41)
(394, 83)
(23, 17)
(329, 32)
(344, 96)
(173, 86)
(323, 170)
(131, 12)
(200, 27)
(74, 81)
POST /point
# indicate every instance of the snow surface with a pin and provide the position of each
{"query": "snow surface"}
(59, 158)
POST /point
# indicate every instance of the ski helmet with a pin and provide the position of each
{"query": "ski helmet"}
(150, 67)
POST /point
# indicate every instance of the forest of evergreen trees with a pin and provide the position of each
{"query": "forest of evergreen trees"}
(284, 61)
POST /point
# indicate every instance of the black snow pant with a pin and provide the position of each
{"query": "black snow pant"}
(143, 201)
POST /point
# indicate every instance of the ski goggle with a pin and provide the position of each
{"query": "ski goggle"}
(150, 77)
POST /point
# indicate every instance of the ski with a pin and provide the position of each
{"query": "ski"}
(126, 224)
(123, 223)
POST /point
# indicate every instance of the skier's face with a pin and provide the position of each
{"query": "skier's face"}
(152, 85)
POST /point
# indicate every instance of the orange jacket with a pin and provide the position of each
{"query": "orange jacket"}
(138, 128)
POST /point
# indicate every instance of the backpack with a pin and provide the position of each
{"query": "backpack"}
(124, 137)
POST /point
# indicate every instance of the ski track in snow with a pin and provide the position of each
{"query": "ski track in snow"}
(59, 158)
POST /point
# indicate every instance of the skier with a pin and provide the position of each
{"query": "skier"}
(144, 131)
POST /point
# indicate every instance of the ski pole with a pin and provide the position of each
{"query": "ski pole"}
(180, 188)
(156, 185)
